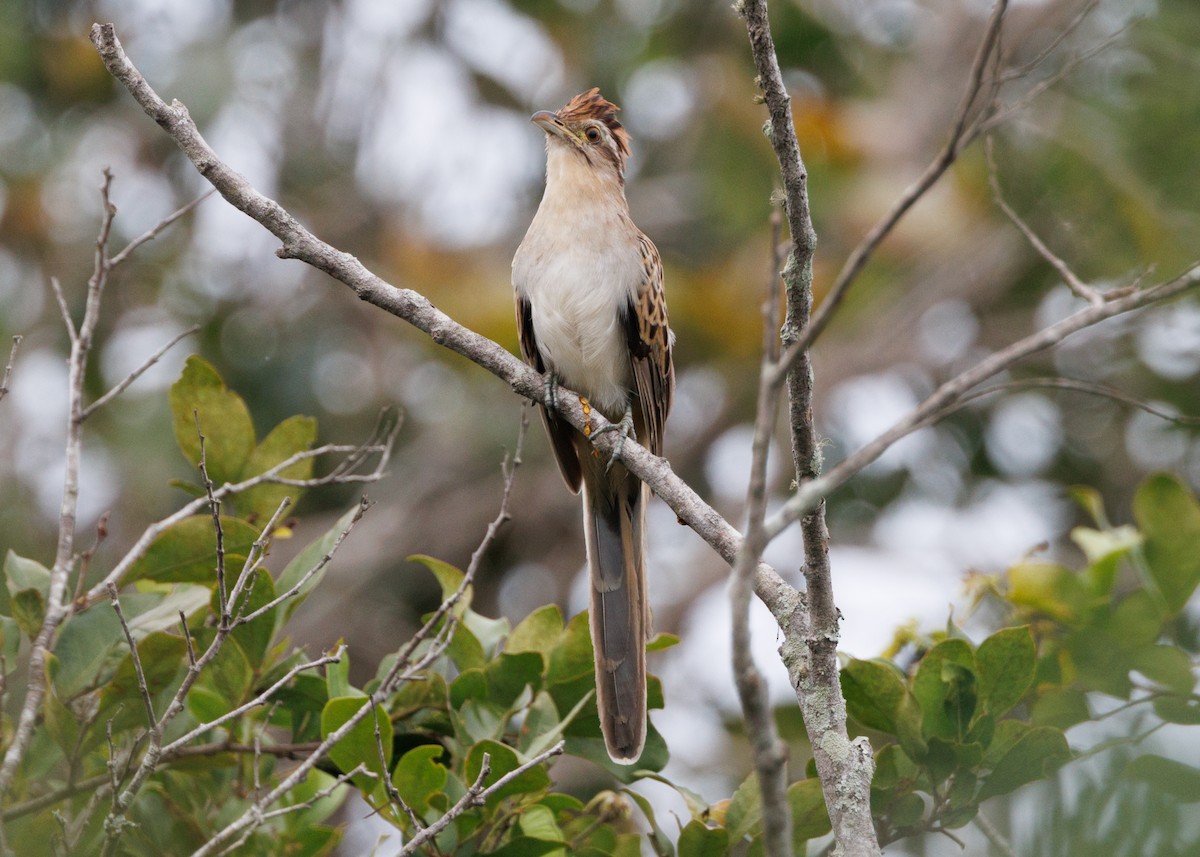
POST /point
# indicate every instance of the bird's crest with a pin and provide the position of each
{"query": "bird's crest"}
(593, 105)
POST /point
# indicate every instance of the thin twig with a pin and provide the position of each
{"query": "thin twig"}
(994, 836)
(262, 699)
(214, 506)
(1075, 386)
(810, 494)
(64, 311)
(363, 505)
(57, 604)
(135, 374)
(945, 158)
(476, 795)
(385, 764)
(1026, 69)
(143, 688)
(1074, 283)
(8, 368)
(770, 754)
(154, 230)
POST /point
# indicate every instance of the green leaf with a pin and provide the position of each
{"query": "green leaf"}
(661, 642)
(809, 817)
(658, 838)
(186, 552)
(28, 610)
(1168, 776)
(571, 658)
(1165, 665)
(1137, 620)
(224, 421)
(508, 676)
(1176, 709)
(1169, 517)
(158, 610)
(1034, 755)
(743, 817)
(944, 687)
(228, 674)
(304, 562)
(161, 656)
(1005, 663)
(1048, 589)
(83, 646)
(450, 579)
(874, 691)
(21, 574)
(698, 840)
(255, 636)
(337, 676)
(1104, 550)
(503, 761)
(293, 435)
(1061, 707)
(465, 650)
(537, 632)
(419, 775)
(537, 822)
(358, 746)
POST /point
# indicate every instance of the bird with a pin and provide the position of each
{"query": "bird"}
(592, 317)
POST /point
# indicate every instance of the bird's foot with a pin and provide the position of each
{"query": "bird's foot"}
(550, 392)
(624, 430)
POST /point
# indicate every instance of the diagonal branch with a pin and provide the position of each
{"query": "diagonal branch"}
(414, 308)
(1074, 283)
(809, 495)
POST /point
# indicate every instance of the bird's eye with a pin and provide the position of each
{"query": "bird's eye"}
(593, 135)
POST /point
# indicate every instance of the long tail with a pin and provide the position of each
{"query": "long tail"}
(614, 514)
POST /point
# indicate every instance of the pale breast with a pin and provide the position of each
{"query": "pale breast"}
(578, 282)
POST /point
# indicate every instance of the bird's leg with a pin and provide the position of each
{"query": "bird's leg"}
(624, 428)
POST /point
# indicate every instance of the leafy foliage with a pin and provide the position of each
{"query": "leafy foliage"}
(960, 725)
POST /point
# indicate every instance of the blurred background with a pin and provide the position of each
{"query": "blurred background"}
(398, 131)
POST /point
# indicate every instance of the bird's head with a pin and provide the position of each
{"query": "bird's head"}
(587, 128)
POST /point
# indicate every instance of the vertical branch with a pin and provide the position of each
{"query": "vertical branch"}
(56, 600)
(770, 754)
(810, 648)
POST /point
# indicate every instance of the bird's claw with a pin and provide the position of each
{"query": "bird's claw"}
(550, 392)
(624, 430)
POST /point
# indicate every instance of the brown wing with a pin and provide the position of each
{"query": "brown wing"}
(649, 338)
(559, 432)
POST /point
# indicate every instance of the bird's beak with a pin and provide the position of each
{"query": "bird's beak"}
(551, 124)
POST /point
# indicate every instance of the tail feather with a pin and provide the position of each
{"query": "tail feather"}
(614, 512)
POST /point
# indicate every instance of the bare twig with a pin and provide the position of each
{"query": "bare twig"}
(1074, 283)
(810, 494)
(271, 476)
(1072, 385)
(363, 505)
(392, 792)
(143, 688)
(509, 468)
(136, 373)
(57, 604)
(245, 708)
(214, 506)
(154, 230)
(64, 312)
(959, 136)
(994, 836)
(1027, 68)
(770, 754)
(476, 795)
(8, 368)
